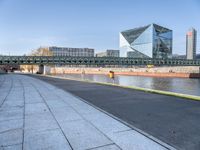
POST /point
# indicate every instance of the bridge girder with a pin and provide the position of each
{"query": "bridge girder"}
(62, 60)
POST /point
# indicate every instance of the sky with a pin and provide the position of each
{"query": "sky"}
(26, 25)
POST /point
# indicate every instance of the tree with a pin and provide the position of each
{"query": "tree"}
(42, 51)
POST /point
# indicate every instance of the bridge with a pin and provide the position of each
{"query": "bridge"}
(65, 60)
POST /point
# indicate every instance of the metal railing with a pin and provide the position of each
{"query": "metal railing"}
(62, 60)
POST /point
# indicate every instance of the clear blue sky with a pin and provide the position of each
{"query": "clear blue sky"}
(29, 24)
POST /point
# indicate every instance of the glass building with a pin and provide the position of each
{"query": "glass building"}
(151, 41)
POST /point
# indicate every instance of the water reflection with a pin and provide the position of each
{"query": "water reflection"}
(179, 85)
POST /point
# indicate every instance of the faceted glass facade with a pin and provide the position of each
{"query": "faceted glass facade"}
(152, 41)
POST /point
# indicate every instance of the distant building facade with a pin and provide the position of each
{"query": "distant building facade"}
(191, 40)
(198, 56)
(176, 56)
(109, 53)
(74, 52)
(151, 41)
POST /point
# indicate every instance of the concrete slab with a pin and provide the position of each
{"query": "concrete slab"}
(54, 104)
(49, 96)
(107, 147)
(40, 122)
(66, 114)
(13, 103)
(83, 135)
(46, 140)
(35, 108)
(11, 137)
(11, 114)
(84, 108)
(132, 140)
(12, 147)
(33, 100)
(109, 124)
(11, 125)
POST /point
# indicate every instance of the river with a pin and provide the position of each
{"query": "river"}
(178, 85)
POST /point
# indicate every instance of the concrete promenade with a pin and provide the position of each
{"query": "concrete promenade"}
(173, 120)
(35, 115)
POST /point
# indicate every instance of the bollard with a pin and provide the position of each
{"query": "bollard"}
(111, 74)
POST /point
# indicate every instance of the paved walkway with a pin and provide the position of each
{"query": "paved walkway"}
(171, 119)
(35, 115)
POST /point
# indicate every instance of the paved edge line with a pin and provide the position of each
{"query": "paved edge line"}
(166, 145)
(185, 96)
(127, 124)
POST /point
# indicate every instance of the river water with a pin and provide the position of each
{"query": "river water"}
(178, 85)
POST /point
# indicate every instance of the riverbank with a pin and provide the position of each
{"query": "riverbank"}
(147, 84)
(177, 72)
(164, 117)
(37, 115)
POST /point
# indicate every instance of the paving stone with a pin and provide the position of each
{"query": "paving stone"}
(35, 108)
(83, 135)
(46, 140)
(11, 137)
(107, 147)
(33, 100)
(11, 114)
(49, 96)
(53, 104)
(11, 124)
(84, 108)
(109, 124)
(73, 101)
(13, 103)
(40, 122)
(65, 114)
(134, 141)
(13, 147)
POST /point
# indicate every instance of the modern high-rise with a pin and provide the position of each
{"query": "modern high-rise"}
(75, 52)
(150, 41)
(191, 40)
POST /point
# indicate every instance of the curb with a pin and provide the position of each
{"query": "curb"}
(185, 96)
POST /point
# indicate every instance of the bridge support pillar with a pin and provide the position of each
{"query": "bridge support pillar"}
(43, 69)
(47, 70)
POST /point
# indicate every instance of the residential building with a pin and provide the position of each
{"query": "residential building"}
(191, 40)
(150, 41)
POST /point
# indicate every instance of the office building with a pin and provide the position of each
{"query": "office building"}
(151, 41)
(109, 53)
(74, 52)
(191, 40)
